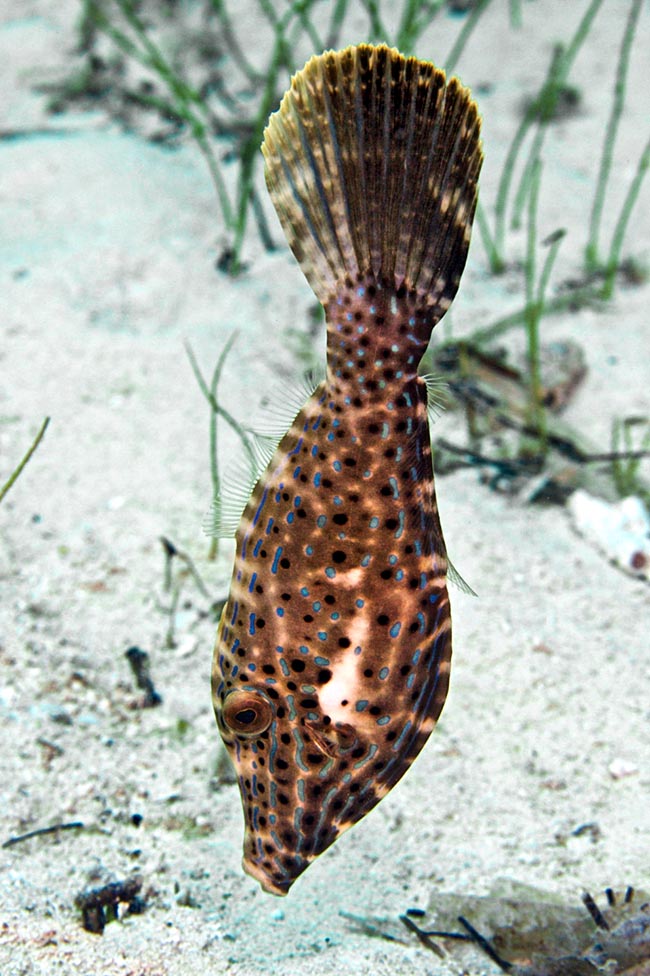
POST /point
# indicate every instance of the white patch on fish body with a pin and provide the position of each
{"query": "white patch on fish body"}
(351, 578)
(343, 686)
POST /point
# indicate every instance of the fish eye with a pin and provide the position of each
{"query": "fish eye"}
(247, 712)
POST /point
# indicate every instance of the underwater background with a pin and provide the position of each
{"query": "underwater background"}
(150, 309)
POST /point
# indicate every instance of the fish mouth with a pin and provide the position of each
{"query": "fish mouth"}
(272, 885)
(332, 740)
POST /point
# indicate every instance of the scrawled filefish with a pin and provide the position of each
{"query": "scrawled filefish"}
(332, 658)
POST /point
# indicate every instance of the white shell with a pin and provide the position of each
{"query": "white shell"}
(620, 530)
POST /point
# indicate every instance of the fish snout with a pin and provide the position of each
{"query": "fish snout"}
(275, 880)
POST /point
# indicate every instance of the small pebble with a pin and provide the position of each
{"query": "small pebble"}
(620, 768)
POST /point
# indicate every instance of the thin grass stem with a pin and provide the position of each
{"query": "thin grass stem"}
(260, 219)
(614, 256)
(377, 30)
(217, 408)
(531, 238)
(336, 22)
(576, 298)
(542, 109)
(592, 261)
(234, 48)
(553, 243)
(416, 17)
(13, 477)
(250, 152)
(406, 31)
(182, 94)
(505, 181)
(625, 460)
(214, 426)
(515, 14)
(464, 35)
(214, 169)
(524, 188)
(269, 12)
(494, 258)
(546, 102)
(301, 9)
(211, 394)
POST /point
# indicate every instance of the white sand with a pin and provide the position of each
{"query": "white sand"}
(108, 249)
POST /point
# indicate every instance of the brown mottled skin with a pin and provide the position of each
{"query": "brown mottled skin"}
(332, 659)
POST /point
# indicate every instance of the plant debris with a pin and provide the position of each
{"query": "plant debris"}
(43, 832)
(141, 667)
(543, 936)
(101, 905)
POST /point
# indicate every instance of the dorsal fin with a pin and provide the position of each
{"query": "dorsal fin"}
(285, 399)
(271, 421)
(397, 203)
(437, 387)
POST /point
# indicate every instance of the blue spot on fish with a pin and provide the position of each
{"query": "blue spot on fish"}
(276, 560)
(261, 505)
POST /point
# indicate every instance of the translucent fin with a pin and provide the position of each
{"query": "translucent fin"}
(277, 411)
(437, 388)
(372, 162)
(279, 407)
(224, 515)
(454, 577)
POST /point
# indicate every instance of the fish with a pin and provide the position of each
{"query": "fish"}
(332, 657)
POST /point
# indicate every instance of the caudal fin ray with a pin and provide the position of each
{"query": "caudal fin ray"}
(372, 163)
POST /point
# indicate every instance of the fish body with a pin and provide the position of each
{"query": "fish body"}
(332, 658)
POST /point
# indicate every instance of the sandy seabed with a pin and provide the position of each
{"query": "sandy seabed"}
(107, 261)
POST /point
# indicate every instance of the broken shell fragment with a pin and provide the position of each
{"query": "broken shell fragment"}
(620, 530)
